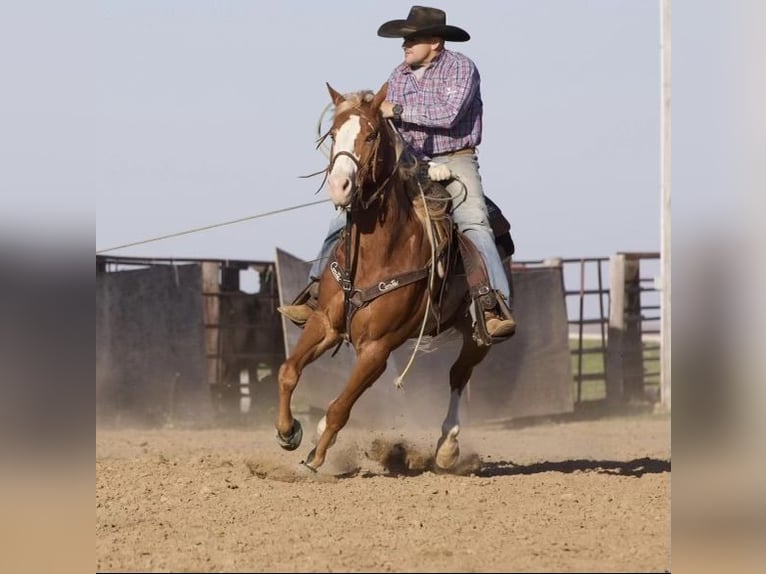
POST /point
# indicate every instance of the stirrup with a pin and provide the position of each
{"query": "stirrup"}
(494, 320)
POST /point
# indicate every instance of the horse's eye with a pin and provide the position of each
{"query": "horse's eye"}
(372, 137)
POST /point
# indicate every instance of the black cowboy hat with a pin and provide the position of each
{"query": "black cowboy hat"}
(423, 21)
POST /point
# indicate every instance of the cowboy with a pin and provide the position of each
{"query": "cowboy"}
(434, 99)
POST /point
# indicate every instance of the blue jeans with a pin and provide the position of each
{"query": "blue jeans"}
(469, 211)
(337, 223)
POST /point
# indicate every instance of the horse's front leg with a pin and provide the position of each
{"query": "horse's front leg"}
(317, 337)
(447, 448)
(370, 365)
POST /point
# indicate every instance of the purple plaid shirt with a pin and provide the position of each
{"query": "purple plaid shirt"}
(442, 110)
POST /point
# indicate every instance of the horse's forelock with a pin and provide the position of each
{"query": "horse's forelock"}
(354, 100)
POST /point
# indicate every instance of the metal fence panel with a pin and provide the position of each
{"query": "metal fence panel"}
(150, 356)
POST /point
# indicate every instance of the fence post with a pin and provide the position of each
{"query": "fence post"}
(614, 351)
(211, 317)
(632, 340)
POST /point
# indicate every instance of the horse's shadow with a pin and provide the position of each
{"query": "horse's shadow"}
(485, 469)
(636, 467)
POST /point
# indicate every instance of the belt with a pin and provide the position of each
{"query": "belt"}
(462, 151)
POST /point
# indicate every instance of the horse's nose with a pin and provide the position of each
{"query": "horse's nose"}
(340, 189)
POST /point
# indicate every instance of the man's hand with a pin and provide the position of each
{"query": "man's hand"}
(387, 109)
(439, 171)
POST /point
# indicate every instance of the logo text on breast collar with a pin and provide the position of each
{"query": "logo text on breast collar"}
(393, 284)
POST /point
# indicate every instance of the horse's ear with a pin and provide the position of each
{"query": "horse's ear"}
(380, 96)
(336, 97)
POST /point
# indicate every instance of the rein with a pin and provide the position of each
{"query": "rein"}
(362, 170)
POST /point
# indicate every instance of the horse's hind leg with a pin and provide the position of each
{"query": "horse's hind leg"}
(370, 365)
(447, 449)
(315, 340)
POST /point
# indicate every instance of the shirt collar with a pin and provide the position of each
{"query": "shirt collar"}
(408, 70)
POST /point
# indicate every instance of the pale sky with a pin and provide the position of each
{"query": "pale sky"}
(172, 115)
(207, 113)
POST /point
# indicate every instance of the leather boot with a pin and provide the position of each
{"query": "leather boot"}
(304, 304)
(499, 326)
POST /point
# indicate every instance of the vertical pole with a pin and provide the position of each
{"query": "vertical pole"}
(632, 346)
(614, 351)
(211, 314)
(665, 205)
(603, 318)
(580, 333)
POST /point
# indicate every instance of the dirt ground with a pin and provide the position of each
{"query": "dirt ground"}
(585, 496)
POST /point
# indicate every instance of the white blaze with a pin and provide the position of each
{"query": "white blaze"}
(343, 171)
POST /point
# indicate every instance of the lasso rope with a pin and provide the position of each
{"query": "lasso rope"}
(399, 381)
(213, 226)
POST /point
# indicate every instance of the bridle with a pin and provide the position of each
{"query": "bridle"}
(363, 170)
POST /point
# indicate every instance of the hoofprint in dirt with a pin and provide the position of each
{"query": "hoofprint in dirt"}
(580, 496)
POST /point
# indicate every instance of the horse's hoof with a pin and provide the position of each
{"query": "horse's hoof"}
(448, 450)
(447, 462)
(309, 459)
(293, 440)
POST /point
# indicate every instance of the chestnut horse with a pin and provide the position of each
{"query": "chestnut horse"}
(380, 288)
